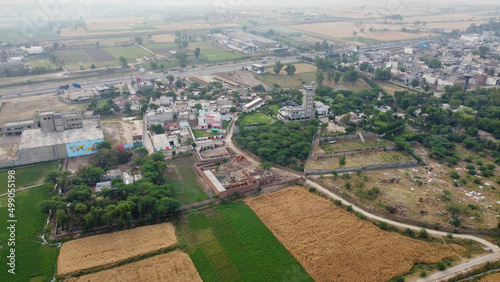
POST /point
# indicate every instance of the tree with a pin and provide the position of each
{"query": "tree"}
(337, 77)
(51, 177)
(423, 233)
(277, 67)
(97, 44)
(351, 76)
(179, 83)
(197, 52)
(290, 69)
(90, 174)
(138, 39)
(330, 76)
(232, 109)
(363, 66)
(182, 58)
(266, 165)
(55, 45)
(103, 145)
(434, 63)
(92, 67)
(198, 106)
(414, 83)
(142, 151)
(342, 160)
(320, 77)
(123, 61)
(156, 128)
(170, 78)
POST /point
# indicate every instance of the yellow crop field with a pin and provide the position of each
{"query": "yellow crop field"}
(334, 245)
(173, 266)
(105, 249)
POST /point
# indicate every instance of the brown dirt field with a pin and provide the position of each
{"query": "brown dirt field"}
(190, 26)
(8, 151)
(120, 132)
(332, 244)
(27, 107)
(163, 38)
(365, 159)
(452, 25)
(346, 29)
(491, 278)
(300, 68)
(174, 266)
(111, 248)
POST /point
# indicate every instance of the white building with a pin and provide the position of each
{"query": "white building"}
(321, 108)
(255, 104)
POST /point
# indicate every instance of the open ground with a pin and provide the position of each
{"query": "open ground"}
(173, 266)
(106, 249)
(28, 175)
(120, 132)
(365, 159)
(343, 145)
(28, 107)
(186, 183)
(354, 251)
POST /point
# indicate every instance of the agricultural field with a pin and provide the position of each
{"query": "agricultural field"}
(350, 32)
(219, 55)
(355, 250)
(427, 194)
(72, 56)
(286, 81)
(256, 118)
(365, 159)
(355, 145)
(19, 32)
(491, 278)
(98, 55)
(130, 53)
(29, 248)
(28, 175)
(300, 68)
(41, 62)
(27, 107)
(391, 88)
(230, 243)
(173, 266)
(111, 248)
(185, 187)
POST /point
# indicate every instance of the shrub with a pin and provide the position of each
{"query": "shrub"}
(360, 215)
(348, 185)
(441, 265)
(468, 159)
(410, 232)
(449, 235)
(312, 189)
(349, 208)
(455, 175)
(400, 278)
(491, 166)
(423, 233)
(383, 225)
(487, 173)
(479, 162)
(391, 208)
(346, 175)
(477, 180)
(472, 171)
(337, 202)
(470, 167)
(423, 273)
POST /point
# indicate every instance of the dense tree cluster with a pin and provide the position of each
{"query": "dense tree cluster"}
(287, 144)
(145, 200)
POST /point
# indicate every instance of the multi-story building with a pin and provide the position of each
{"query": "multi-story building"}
(306, 111)
(51, 121)
(14, 128)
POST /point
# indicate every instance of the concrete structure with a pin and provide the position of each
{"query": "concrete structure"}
(51, 121)
(163, 142)
(81, 95)
(306, 111)
(255, 104)
(14, 128)
(258, 68)
(100, 185)
(37, 146)
(321, 108)
(207, 120)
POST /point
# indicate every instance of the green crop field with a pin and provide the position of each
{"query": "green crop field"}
(256, 118)
(19, 32)
(219, 55)
(185, 186)
(230, 243)
(130, 53)
(27, 176)
(34, 261)
(72, 56)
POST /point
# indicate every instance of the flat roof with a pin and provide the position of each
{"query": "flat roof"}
(19, 122)
(214, 181)
(35, 138)
(160, 141)
(254, 102)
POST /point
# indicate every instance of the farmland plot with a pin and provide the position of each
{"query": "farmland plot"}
(114, 247)
(334, 245)
(99, 55)
(173, 266)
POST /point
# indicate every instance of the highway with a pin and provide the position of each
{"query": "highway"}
(124, 78)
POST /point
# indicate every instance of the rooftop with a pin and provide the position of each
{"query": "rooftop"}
(19, 122)
(34, 138)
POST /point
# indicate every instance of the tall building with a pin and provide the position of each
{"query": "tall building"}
(306, 111)
(51, 121)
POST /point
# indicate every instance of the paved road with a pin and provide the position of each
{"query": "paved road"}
(469, 264)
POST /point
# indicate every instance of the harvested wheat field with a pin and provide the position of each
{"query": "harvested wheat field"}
(334, 245)
(173, 266)
(491, 278)
(111, 248)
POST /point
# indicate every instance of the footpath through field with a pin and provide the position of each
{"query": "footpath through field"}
(443, 275)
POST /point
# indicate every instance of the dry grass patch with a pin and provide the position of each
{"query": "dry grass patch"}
(111, 248)
(334, 245)
(174, 266)
(361, 160)
(491, 278)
